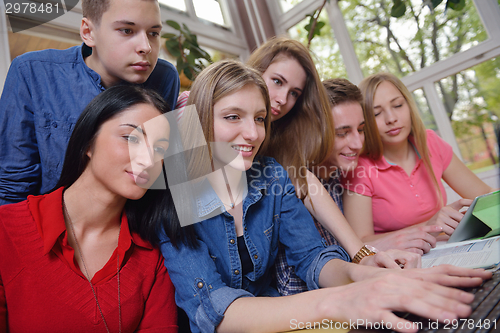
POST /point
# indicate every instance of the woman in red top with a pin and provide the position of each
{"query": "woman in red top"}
(73, 260)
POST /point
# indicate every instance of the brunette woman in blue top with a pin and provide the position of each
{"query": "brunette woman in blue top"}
(230, 261)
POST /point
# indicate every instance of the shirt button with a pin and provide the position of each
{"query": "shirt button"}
(54, 124)
(232, 241)
(255, 256)
(411, 185)
(416, 195)
(236, 272)
(200, 285)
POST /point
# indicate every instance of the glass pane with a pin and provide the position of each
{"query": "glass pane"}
(286, 5)
(416, 40)
(177, 4)
(473, 104)
(209, 10)
(324, 48)
(423, 108)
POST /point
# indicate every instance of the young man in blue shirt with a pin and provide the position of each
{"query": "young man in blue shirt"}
(46, 91)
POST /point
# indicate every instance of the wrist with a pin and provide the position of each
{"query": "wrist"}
(365, 251)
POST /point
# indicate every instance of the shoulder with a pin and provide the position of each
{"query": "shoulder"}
(438, 147)
(14, 218)
(166, 68)
(49, 56)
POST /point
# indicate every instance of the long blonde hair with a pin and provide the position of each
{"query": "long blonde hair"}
(304, 137)
(215, 82)
(368, 88)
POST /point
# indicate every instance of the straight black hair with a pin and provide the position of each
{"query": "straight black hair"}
(156, 208)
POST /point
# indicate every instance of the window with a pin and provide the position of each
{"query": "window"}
(324, 48)
(473, 104)
(176, 4)
(416, 40)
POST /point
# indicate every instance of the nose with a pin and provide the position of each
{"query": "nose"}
(144, 156)
(390, 116)
(143, 46)
(281, 97)
(250, 132)
(357, 140)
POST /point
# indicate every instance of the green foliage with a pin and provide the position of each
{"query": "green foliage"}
(399, 7)
(191, 58)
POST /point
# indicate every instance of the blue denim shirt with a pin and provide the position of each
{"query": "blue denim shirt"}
(208, 279)
(43, 96)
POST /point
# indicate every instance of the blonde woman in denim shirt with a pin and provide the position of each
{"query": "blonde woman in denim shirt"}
(219, 274)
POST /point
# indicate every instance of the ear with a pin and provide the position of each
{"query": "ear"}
(89, 153)
(87, 32)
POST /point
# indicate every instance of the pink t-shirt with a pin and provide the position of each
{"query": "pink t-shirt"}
(399, 200)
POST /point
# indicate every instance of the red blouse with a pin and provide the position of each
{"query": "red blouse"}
(43, 290)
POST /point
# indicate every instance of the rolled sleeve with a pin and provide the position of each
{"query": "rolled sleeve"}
(331, 252)
(213, 305)
(304, 247)
(199, 289)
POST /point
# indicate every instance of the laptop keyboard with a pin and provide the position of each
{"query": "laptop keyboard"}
(485, 315)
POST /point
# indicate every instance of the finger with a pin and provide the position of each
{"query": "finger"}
(415, 250)
(420, 244)
(457, 205)
(426, 235)
(460, 271)
(431, 228)
(445, 304)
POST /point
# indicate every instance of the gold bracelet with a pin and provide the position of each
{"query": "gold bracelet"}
(365, 251)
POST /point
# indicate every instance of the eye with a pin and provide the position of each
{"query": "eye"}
(160, 150)
(131, 138)
(231, 117)
(294, 94)
(398, 106)
(154, 34)
(341, 134)
(126, 31)
(361, 130)
(277, 81)
(260, 120)
(377, 113)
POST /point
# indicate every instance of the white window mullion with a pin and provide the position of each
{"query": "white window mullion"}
(441, 118)
(345, 43)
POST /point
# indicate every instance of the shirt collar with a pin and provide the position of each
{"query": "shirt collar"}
(382, 163)
(47, 211)
(85, 52)
(207, 200)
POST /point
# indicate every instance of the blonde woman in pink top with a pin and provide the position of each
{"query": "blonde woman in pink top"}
(395, 197)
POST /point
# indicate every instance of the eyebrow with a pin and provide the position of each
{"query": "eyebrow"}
(140, 130)
(348, 127)
(286, 81)
(125, 22)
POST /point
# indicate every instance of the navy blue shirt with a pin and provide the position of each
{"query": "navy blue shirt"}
(43, 96)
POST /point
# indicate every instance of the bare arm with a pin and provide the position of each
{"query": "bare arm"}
(358, 211)
(321, 205)
(419, 291)
(464, 181)
(325, 210)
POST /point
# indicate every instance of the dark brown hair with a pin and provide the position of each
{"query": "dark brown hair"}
(341, 91)
(303, 138)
